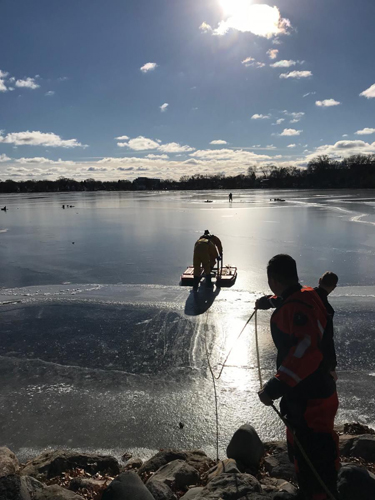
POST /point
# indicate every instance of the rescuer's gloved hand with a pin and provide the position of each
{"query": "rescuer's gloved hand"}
(219, 258)
(264, 398)
(263, 303)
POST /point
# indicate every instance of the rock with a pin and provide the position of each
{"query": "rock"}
(160, 459)
(127, 486)
(358, 446)
(273, 484)
(354, 428)
(133, 463)
(53, 463)
(89, 483)
(193, 493)
(278, 465)
(356, 483)
(232, 487)
(55, 492)
(364, 447)
(275, 447)
(246, 446)
(195, 458)
(228, 466)
(160, 491)
(178, 472)
(8, 462)
(14, 487)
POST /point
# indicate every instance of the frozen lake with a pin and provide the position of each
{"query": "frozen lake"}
(101, 349)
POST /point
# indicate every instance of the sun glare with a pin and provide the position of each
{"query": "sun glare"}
(260, 19)
(235, 7)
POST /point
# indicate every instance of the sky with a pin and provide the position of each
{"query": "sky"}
(120, 89)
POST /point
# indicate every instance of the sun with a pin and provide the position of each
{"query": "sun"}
(235, 7)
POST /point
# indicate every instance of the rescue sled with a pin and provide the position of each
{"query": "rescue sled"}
(224, 276)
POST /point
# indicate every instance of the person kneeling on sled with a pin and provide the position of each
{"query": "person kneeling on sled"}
(309, 399)
(207, 250)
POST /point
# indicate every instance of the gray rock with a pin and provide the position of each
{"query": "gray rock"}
(364, 447)
(231, 487)
(356, 483)
(228, 466)
(195, 458)
(279, 466)
(178, 472)
(55, 492)
(53, 463)
(246, 446)
(14, 487)
(273, 484)
(275, 446)
(160, 491)
(127, 486)
(193, 493)
(8, 462)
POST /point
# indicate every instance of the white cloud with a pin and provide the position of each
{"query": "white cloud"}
(227, 155)
(37, 138)
(292, 146)
(164, 107)
(260, 117)
(157, 157)
(50, 93)
(3, 74)
(296, 116)
(174, 147)
(218, 142)
(150, 66)
(284, 64)
(3, 87)
(296, 74)
(309, 93)
(345, 135)
(122, 138)
(140, 143)
(4, 158)
(280, 121)
(272, 53)
(369, 93)
(28, 83)
(259, 19)
(342, 149)
(250, 61)
(205, 27)
(290, 132)
(327, 103)
(366, 131)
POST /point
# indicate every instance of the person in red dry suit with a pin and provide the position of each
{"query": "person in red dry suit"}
(303, 381)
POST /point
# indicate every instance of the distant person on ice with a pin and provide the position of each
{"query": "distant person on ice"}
(230, 197)
(207, 250)
(303, 380)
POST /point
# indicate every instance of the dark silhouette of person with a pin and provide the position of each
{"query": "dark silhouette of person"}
(303, 379)
(230, 197)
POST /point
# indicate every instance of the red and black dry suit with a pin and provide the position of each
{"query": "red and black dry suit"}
(308, 391)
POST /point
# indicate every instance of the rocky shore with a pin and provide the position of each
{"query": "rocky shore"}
(252, 470)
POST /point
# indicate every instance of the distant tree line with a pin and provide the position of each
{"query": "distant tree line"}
(322, 172)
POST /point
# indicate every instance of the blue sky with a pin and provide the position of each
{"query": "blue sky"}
(165, 88)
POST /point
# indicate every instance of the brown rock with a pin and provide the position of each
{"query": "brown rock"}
(8, 462)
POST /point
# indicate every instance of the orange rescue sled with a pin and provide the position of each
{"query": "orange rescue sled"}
(225, 276)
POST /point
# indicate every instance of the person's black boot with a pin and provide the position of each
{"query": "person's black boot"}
(209, 283)
(196, 283)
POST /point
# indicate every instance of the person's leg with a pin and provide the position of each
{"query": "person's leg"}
(206, 262)
(320, 443)
(197, 267)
